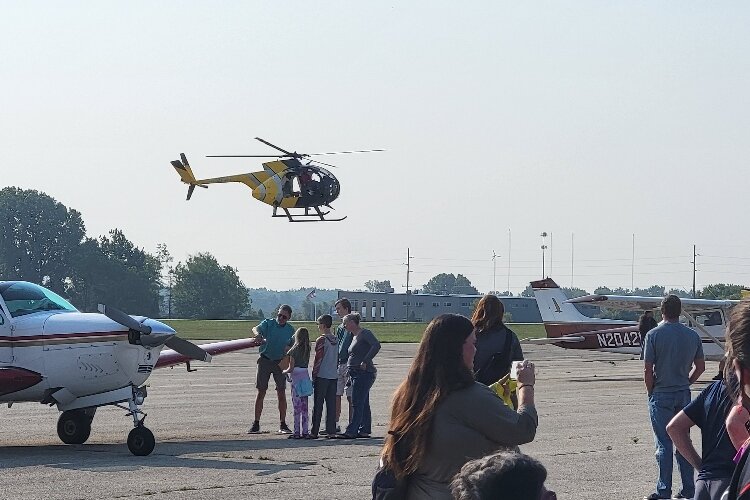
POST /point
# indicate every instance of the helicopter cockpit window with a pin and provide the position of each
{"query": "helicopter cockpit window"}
(27, 298)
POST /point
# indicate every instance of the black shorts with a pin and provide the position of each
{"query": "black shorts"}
(266, 368)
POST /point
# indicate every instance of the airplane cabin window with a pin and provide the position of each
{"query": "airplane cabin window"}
(26, 298)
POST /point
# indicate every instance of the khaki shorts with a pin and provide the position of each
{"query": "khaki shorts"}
(341, 384)
(266, 368)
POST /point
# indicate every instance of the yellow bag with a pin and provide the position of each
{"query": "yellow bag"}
(504, 388)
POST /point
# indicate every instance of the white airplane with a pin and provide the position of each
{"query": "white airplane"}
(53, 354)
(567, 327)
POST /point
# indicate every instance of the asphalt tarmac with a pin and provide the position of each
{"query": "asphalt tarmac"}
(594, 437)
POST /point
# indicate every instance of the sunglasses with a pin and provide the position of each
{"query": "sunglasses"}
(282, 316)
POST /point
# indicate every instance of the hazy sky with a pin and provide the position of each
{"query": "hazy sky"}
(601, 119)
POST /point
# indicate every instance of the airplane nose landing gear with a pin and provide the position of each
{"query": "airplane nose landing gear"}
(141, 440)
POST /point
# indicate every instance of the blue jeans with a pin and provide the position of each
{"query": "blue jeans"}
(361, 417)
(662, 407)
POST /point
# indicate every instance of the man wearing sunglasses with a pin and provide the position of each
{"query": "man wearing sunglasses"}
(277, 335)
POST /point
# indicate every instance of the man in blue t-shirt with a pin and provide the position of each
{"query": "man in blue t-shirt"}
(708, 411)
(277, 335)
(672, 360)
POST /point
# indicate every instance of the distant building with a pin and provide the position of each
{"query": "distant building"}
(422, 307)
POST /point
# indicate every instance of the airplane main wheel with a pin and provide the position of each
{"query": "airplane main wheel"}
(141, 441)
(74, 427)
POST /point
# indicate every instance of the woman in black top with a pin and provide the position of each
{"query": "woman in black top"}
(497, 345)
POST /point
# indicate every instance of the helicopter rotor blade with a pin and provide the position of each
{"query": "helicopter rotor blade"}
(347, 152)
(273, 146)
(321, 163)
(246, 156)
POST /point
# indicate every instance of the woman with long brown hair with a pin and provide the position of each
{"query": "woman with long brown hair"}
(497, 345)
(738, 420)
(442, 418)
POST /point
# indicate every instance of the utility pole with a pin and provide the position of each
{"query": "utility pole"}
(544, 247)
(694, 255)
(408, 291)
(508, 260)
(572, 254)
(494, 272)
(632, 267)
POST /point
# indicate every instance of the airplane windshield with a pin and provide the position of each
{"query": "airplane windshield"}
(26, 298)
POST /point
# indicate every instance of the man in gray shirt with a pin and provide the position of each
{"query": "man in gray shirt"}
(672, 359)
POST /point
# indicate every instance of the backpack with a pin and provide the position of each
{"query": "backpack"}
(385, 485)
(499, 363)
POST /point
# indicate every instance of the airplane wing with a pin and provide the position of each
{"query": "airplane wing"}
(168, 357)
(636, 303)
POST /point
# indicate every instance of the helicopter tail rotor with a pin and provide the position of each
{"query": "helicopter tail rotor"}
(186, 174)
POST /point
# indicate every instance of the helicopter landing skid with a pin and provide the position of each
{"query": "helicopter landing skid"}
(318, 216)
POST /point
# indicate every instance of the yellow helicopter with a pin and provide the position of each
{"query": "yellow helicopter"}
(300, 190)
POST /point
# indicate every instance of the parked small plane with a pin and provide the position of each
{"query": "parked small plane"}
(567, 327)
(53, 354)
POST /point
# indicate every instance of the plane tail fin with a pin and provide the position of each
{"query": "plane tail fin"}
(553, 307)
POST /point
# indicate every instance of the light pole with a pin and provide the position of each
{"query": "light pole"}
(544, 247)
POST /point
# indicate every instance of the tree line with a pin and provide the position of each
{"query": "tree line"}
(44, 242)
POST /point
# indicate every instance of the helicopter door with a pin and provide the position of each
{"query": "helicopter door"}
(6, 346)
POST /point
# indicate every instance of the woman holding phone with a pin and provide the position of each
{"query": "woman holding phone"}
(442, 417)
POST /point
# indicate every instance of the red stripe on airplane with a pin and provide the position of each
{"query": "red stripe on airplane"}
(17, 379)
(555, 330)
(60, 336)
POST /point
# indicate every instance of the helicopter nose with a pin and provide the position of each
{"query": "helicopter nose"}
(259, 193)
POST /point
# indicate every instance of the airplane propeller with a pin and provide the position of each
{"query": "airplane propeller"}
(147, 338)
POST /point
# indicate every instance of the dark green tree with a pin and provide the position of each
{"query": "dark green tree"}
(167, 275)
(203, 289)
(306, 312)
(39, 238)
(379, 286)
(721, 291)
(115, 272)
(572, 293)
(449, 284)
(652, 291)
(683, 294)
